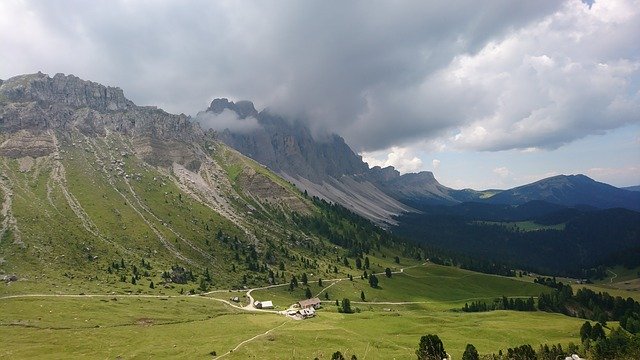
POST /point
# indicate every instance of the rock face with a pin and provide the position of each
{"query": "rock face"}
(289, 147)
(421, 186)
(68, 90)
(323, 165)
(33, 105)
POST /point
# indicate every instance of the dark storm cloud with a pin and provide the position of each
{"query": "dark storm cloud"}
(379, 73)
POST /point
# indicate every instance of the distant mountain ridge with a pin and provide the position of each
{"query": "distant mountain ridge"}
(570, 190)
(330, 169)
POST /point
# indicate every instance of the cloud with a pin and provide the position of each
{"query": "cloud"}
(399, 158)
(495, 76)
(629, 175)
(435, 163)
(502, 171)
(227, 119)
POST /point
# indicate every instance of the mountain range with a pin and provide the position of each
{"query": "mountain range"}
(90, 179)
(330, 169)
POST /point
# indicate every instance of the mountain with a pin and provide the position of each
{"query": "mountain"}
(97, 191)
(570, 190)
(632, 188)
(324, 166)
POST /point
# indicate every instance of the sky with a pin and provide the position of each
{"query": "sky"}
(490, 94)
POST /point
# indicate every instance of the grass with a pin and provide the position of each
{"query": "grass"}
(193, 327)
(61, 260)
(441, 287)
(524, 225)
(57, 328)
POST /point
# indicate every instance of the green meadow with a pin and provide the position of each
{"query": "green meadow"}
(196, 327)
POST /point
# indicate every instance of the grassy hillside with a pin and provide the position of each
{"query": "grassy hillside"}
(99, 225)
(94, 215)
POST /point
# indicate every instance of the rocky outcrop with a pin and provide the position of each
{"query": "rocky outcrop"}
(412, 187)
(25, 143)
(64, 89)
(31, 105)
(322, 164)
(243, 108)
(289, 146)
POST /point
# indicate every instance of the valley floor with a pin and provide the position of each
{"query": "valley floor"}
(419, 300)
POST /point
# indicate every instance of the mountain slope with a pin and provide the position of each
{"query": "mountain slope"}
(326, 168)
(97, 191)
(570, 190)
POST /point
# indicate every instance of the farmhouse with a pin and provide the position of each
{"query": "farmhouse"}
(309, 303)
(263, 304)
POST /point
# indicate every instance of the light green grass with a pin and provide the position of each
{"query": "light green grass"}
(441, 286)
(192, 327)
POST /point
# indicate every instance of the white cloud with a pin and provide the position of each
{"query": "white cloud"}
(435, 163)
(574, 73)
(495, 76)
(399, 158)
(227, 119)
(502, 171)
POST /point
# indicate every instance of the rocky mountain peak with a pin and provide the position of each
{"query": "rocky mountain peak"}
(64, 89)
(35, 106)
(243, 108)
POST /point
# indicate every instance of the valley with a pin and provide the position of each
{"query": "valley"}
(127, 232)
(420, 299)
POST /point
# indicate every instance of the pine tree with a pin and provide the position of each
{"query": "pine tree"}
(470, 353)
(307, 293)
(585, 331)
(362, 295)
(373, 281)
(431, 348)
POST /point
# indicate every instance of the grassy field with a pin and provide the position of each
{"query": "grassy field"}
(525, 225)
(438, 286)
(385, 327)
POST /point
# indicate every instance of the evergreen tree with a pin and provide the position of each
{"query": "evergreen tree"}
(203, 284)
(320, 282)
(304, 279)
(358, 263)
(366, 262)
(387, 272)
(307, 293)
(431, 348)
(151, 286)
(470, 353)
(337, 356)
(345, 307)
(362, 295)
(585, 331)
(597, 332)
(373, 281)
